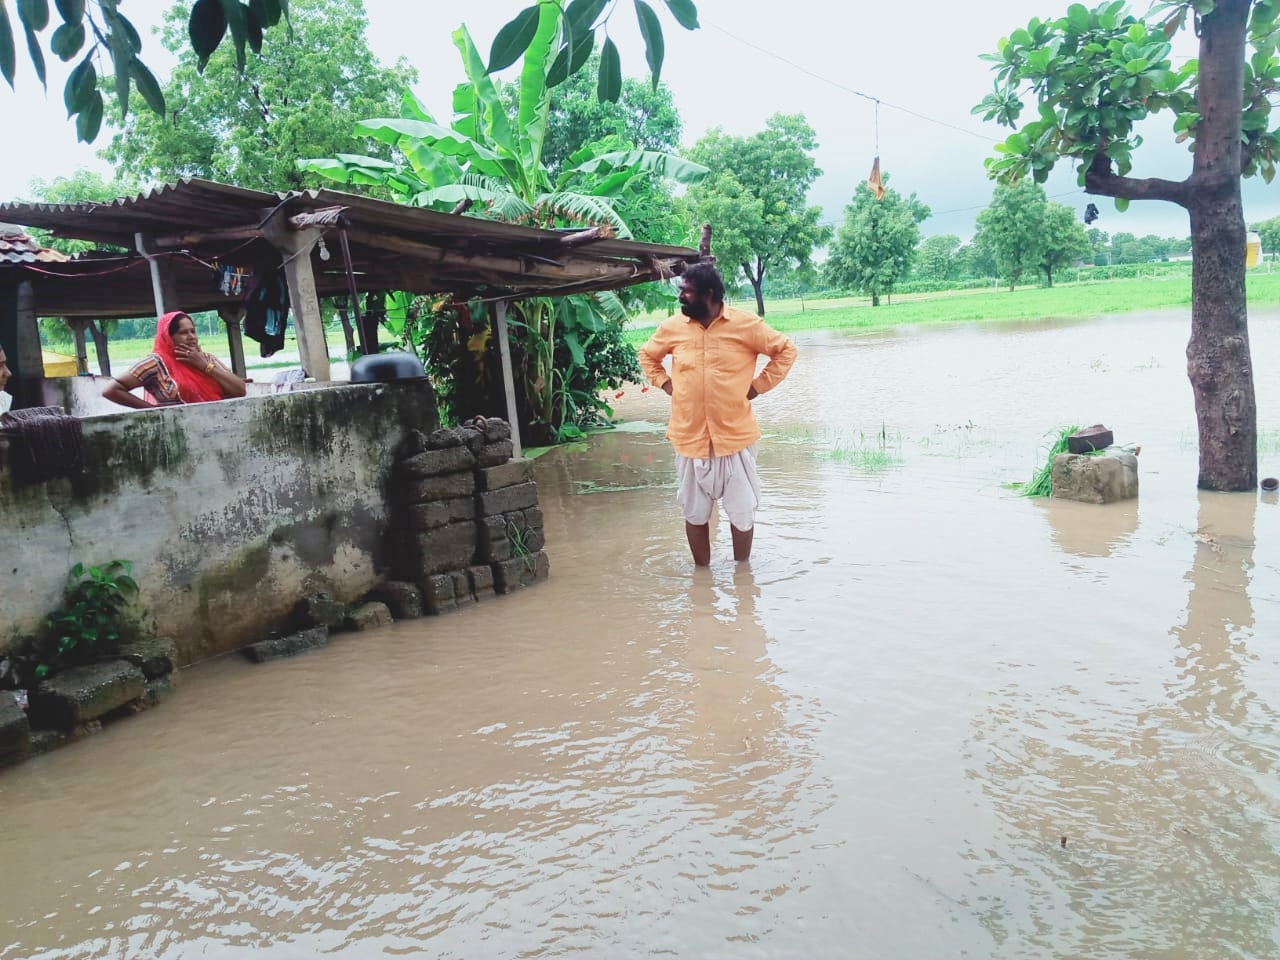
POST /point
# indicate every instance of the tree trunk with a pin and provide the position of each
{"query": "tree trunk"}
(347, 333)
(757, 284)
(1218, 360)
(875, 298)
(82, 356)
(99, 334)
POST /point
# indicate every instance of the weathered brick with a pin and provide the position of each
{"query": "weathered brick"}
(462, 587)
(85, 693)
(481, 577)
(495, 430)
(493, 541)
(368, 615)
(437, 593)
(436, 513)
(275, 647)
(433, 463)
(442, 438)
(414, 442)
(509, 575)
(504, 475)
(154, 656)
(15, 731)
(445, 487)
(445, 548)
(533, 517)
(403, 599)
(495, 454)
(507, 499)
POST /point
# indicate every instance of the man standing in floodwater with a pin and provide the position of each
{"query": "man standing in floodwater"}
(714, 350)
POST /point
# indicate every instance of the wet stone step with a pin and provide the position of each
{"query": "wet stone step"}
(85, 693)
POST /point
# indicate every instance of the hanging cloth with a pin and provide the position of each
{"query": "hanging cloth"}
(874, 181)
(267, 310)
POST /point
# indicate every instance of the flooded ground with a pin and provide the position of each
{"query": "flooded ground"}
(929, 719)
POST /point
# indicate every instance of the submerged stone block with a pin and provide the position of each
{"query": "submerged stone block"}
(438, 593)
(154, 656)
(368, 615)
(81, 694)
(509, 575)
(274, 648)
(461, 588)
(1104, 478)
(15, 731)
(481, 578)
(317, 609)
(403, 599)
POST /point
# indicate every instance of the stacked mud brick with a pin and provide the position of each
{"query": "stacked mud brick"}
(468, 520)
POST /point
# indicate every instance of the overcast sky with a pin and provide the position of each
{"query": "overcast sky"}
(749, 60)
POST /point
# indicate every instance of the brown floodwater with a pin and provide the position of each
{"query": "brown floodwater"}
(930, 718)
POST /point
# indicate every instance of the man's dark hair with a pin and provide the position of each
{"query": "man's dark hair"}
(705, 278)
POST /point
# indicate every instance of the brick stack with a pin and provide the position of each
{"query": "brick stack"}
(470, 524)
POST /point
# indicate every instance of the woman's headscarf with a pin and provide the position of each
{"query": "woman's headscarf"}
(194, 386)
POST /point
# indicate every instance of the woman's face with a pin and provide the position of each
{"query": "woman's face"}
(184, 334)
(4, 370)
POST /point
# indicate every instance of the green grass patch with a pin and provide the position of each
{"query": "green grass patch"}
(1063, 301)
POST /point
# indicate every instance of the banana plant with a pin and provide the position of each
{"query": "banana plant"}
(491, 164)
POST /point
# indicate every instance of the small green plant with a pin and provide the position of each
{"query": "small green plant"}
(1041, 484)
(90, 623)
(519, 537)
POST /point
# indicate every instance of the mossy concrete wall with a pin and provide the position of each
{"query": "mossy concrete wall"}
(230, 511)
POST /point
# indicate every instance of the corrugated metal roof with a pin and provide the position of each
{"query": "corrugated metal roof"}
(199, 225)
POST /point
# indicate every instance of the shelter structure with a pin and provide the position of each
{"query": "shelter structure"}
(199, 245)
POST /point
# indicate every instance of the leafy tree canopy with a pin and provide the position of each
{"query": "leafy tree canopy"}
(876, 246)
(1012, 227)
(301, 98)
(96, 33)
(756, 195)
(1065, 241)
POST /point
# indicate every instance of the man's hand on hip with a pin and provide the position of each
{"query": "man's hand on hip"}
(667, 388)
(752, 393)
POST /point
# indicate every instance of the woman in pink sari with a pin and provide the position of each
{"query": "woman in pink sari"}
(176, 371)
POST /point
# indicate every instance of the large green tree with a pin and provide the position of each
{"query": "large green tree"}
(936, 258)
(298, 99)
(756, 198)
(1012, 228)
(95, 33)
(1064, 238)
(876, 246)
(644, 116)
(1269, 231)
(1093, 75)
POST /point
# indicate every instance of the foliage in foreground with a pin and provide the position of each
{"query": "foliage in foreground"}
(90, 623)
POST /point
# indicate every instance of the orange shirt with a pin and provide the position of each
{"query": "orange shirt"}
(711, 370)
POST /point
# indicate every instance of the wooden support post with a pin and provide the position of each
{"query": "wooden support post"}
(27, 385)
(78, 327)
(508, 378)
(233, 316)
(164, 289)
(295, 247)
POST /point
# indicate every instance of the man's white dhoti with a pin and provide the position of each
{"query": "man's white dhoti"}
(732, 479)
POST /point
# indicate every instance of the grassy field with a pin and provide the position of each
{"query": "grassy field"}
(1062, 301)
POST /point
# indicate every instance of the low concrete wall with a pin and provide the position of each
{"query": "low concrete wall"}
(82, 396)
(229, 511)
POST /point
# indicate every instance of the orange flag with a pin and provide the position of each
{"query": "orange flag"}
(874, 181)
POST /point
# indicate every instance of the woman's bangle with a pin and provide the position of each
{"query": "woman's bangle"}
(208, 367)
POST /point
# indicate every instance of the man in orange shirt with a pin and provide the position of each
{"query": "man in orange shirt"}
(714, 350)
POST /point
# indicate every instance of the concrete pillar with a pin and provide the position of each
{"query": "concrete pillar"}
(233, 317)
(508, 379)
(164, 287)
(295, 248)
(25, 359)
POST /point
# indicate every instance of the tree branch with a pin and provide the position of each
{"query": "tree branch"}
(1099, 180)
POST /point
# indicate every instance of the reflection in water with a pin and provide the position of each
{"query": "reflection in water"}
(871, 742)
(1170, 802)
